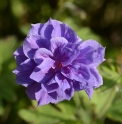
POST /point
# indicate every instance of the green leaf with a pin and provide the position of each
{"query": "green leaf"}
(55, 113)
(67, 109)
(49, 114)
(62, 110)
(110, 73)
(103, 101)
(72, 122)
(1, 107)
(115, 112)
(6, 91)
(36, 117)
(6, 48)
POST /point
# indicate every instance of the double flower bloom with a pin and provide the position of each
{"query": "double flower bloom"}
(53, 63)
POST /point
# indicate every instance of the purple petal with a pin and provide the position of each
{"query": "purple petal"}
(89, 92)
(41, 54)
(65, 90)
(92, 53)
(31, 90)
(72, 73)
(57, 43)
(79, 85)
(62, 82)
(87, 77)
(84, 72)
(52, 28)
(67, 72)
(69, 93)
(56, 32)
(46, 30)
(23, 72)
(43, 71)
(44, 98)
(50, 86)
(35, 29)
(69, 53)
(69, 34)
(95, 78)
(32, 43)
(19, 55)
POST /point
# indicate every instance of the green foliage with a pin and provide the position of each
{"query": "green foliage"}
(63, 113)
(6, 77)
(115, 112)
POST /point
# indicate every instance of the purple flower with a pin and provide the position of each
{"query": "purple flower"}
(53, 63)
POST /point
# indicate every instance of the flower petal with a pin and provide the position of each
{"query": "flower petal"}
(32, 43)
(65, 90)
(69, 93)
(35, 29)
(50, 86)
(92, 53)
(57, 43)
(43, 72)
(62, 82)
(56, 32)
(67, 72)
(89, 92)
(69, 52)
(19, 55)
(90, 79)
(69, 34)
(23, 72)
(41, 54)
(31, 90)
(79, 85)
(44, 98)
(46, 30)
(73, 73)
(95, 78)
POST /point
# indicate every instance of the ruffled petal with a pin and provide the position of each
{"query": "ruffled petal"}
(41, 54)
(91, 53)
(89, 92)
(79, 85)
(69, 53)
(65, 90)
(57, 43)
(69, 34)
(24, 71)
(90, 79)
(35, 29)
(46, 30)
(32, 43)
(69, 93)
(43, 72)
(50, 86)
(62, 82)
(68, 72)
(31, 90)
(56, 32)
(19, 55)
(95, 78)
(44, 98)
(75, 73)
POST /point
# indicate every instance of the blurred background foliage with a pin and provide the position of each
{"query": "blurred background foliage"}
(100, 20)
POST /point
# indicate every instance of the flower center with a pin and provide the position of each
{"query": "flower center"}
(59, 65)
